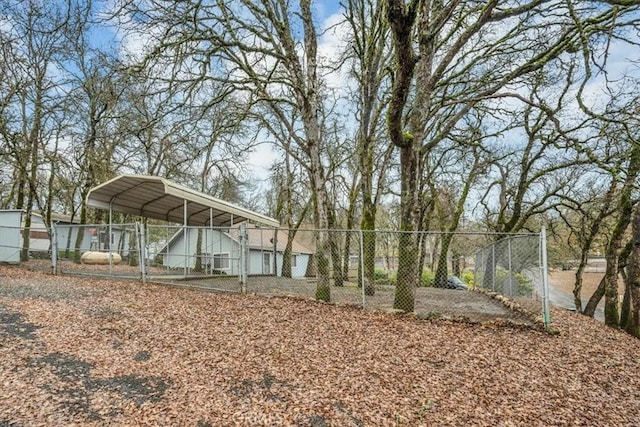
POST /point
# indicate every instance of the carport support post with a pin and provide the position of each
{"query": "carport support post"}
(209, 245)
(275, 252)
(109, 239)
(184, 240)
(142, 244)
(243, 258)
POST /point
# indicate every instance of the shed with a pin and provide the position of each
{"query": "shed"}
(10, 235)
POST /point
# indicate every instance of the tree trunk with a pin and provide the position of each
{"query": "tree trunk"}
(368, 226)
(198, 262)
(456, 265)
(577, 287)
(592, 304)
(488, 277)
(632, 325)
(409, 242)
(609, 283)
(625, 309)
(334, 242)
(623, 267)
(442, 269)
(346, 254)
(323, 244)
(611, 308)
(336, 258)
(80, 235)
(608, 287)
(586, 245)
(286, 257)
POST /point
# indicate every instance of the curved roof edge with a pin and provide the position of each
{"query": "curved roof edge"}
(158, 198)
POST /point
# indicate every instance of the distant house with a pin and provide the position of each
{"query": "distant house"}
(12, 225)
(95, 237)
(220, 251)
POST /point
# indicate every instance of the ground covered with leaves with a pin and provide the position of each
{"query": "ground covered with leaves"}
(94, 352)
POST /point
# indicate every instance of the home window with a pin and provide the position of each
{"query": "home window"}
(294, 261)
(221, 261)
(266, 263)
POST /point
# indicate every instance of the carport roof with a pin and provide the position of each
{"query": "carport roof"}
(158, 198)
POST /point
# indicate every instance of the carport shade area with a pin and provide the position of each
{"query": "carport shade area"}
(158, 198)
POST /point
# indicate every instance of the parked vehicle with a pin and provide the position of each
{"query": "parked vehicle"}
(454, 282)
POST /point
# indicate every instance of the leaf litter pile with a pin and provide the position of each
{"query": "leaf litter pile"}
(94, 352)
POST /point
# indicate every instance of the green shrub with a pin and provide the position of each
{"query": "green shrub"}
(63, 254)
(392, 278)
(519, 280)
(427, 278)
(467, 277)
(380, 274)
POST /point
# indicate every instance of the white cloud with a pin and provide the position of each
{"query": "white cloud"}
(261, 160)
(335, 35)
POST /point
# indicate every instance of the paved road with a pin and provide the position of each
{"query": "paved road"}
(560, 298)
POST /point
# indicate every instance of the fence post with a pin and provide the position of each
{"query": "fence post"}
(545, 283)
(361, 278)
(243, 258)
(142, 244)
(54, 248)
(510, 267)
(493, 267)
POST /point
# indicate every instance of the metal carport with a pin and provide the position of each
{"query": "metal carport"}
(158, 198)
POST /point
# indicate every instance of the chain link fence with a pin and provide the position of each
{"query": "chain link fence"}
(422, 272)
(428, 273)
(18, 243)
(510, 266)
(96, 249)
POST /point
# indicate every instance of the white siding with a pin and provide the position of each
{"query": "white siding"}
(10, 237)
(40, 244)
(300, 268)
(214, 241)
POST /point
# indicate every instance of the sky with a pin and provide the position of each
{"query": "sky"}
(328, 14)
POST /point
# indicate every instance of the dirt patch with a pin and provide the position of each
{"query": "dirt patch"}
(14, 325)
(20, 287)
(430, 303)
(76, 387)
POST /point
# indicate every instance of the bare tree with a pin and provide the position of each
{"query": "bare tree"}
(449, 57)
(466, 161)
(370, 56)
(291, 204)
(586, 215)
(32, 44)
(254, 46)
(94, 94)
